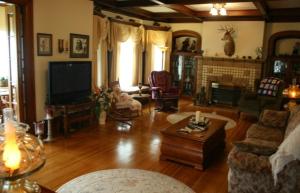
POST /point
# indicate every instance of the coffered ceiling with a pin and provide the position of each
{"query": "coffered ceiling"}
(173, 11)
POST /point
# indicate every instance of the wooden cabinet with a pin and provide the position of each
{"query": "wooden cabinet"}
(184, 72)
(186, 48)
(283, 56)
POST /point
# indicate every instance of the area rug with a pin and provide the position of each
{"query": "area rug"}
(123, 181)
(176, 117)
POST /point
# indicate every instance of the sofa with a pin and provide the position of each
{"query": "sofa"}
(251, 161)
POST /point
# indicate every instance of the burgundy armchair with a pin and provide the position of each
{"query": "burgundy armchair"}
(165, 95)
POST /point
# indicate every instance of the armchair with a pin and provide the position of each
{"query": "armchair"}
(165, 95)
(268, 95)
(123, 107)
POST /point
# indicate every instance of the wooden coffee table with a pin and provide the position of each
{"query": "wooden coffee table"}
(196, 148)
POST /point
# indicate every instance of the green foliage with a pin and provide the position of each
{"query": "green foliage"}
(102, 97)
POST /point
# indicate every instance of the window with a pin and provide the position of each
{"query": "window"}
(126, 64)
(157, 58)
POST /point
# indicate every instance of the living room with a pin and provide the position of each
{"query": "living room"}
(262, 33)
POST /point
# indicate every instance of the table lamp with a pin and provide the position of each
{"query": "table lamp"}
(21, 155)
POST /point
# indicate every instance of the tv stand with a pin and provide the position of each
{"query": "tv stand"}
(72, 113)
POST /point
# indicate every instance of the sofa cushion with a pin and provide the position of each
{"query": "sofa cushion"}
(257, 146)
(248, 161)
(265, 133)
(293, 121)
(275, 119)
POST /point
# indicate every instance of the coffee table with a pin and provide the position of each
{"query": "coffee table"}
(196, 148)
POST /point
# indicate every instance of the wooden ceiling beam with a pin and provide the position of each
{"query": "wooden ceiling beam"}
(232, 13)
(133, 12)
(179, 8)
(141, 3)
(262, 6)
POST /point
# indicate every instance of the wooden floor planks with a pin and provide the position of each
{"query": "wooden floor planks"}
(115, 146)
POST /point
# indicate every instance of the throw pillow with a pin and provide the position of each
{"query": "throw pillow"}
(256, 147)
(273, 118)
(269, 86)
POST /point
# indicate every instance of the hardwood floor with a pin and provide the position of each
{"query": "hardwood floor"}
(117, 146)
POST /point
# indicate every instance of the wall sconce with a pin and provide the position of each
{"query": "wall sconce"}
(63, 46)
(218, 9)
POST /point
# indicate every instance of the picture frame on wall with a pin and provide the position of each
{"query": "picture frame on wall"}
(79, 46)
(44, 44)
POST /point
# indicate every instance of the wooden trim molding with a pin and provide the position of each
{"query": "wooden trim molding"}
(157, 28)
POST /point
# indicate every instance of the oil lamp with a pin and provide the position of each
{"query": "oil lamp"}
(21, 154)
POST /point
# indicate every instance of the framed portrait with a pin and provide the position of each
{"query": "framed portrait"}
(79, 46)
(44, 44)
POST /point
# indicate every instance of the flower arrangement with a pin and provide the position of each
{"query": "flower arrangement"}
(102, 97)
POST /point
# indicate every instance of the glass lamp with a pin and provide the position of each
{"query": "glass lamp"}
(21, 155)
(293, 94)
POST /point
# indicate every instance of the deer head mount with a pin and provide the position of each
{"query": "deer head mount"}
(229, 47)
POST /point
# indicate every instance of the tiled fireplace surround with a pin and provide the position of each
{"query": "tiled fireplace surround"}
(227, 71)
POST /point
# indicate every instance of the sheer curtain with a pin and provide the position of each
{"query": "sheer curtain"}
(101, 37)
(127, 47)
(154, 40)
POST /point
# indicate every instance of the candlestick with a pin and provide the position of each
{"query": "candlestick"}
(197, 116)
(66, 46)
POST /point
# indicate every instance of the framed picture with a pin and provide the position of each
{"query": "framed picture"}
(79, 46)
(44, 44)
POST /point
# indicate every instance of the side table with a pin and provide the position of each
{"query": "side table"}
(143, 98)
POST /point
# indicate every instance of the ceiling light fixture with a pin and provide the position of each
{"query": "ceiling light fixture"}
(218, 9)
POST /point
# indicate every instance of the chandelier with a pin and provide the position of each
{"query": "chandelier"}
(218, 9)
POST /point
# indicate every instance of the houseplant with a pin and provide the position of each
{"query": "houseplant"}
(102, 98)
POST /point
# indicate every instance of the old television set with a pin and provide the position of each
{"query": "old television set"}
(69, 82)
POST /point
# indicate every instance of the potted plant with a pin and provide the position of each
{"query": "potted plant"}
(3, 82)
(102, 98)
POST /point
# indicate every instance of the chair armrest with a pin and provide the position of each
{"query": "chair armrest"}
(155, 89)
(248, 161)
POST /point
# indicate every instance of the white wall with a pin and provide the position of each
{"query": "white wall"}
(59, 18)
(196, 27)
(247, 37)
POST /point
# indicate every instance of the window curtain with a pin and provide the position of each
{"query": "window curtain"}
(101, 37)
(121, 33)
(160, 39)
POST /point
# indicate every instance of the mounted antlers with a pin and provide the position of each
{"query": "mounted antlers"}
(229, 47)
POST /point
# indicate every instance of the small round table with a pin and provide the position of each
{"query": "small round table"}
(143, 98)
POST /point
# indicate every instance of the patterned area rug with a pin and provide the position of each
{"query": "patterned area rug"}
(176, 117)
(123, 181)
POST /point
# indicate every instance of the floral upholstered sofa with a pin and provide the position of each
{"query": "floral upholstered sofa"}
(267, 161)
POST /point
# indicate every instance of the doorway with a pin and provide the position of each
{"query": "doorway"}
(20, 89)
(8, 57)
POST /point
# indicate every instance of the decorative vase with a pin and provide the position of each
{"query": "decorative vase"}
(102, 118)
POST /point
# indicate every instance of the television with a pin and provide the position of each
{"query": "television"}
(69, 82)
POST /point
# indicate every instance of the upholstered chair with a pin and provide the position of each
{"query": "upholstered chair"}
(165, 95)
(267, 95)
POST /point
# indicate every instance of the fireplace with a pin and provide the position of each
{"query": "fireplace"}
(225, 94)
(236, 73)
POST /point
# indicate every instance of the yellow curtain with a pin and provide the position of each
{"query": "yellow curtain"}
(161, 39)
(101, 33)
(121, 33)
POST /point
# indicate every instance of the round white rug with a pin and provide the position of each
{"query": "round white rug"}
(176, 117)
(124, 181)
